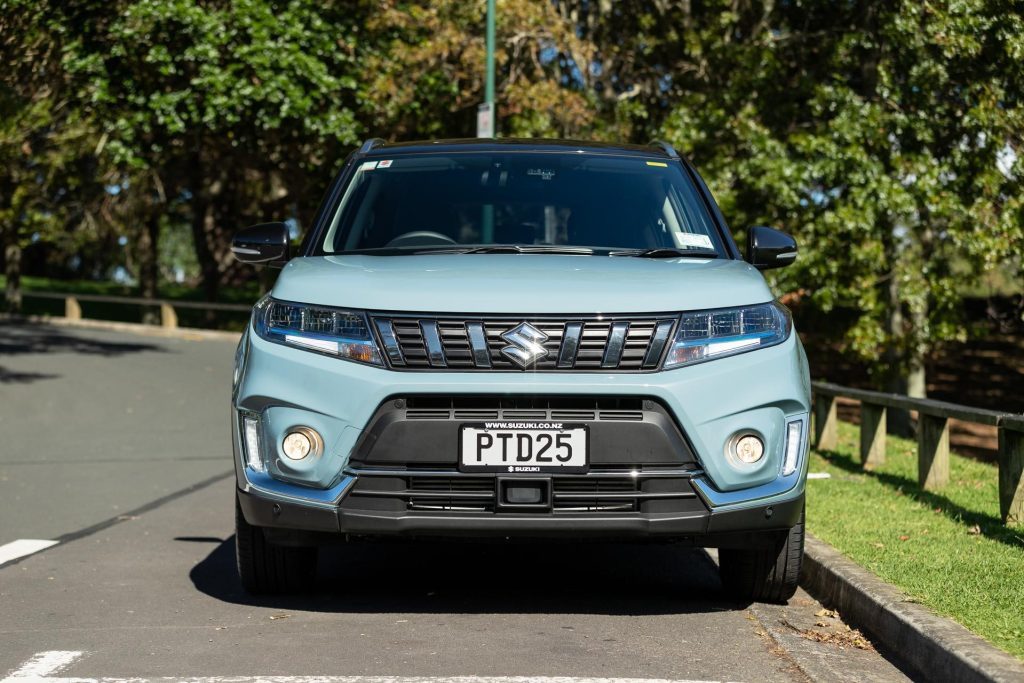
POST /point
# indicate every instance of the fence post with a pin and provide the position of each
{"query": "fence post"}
(872, 434)
(1011, 475)
(72, 309)
(826, 436)
(932, 451)
(168, 318)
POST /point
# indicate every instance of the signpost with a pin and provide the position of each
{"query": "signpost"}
(485, 113)
(485, 120)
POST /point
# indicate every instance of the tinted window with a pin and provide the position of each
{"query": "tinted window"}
(518, 198)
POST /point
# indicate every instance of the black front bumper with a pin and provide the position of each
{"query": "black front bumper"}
(640, 481)
(292, 523)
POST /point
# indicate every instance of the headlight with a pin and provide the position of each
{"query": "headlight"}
(331, 331)
(705, 335)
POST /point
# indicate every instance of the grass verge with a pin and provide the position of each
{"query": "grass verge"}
(945, 549)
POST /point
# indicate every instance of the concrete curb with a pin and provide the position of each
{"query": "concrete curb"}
(187, 333)
(936, 647)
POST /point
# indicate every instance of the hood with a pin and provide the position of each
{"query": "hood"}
(520, 283)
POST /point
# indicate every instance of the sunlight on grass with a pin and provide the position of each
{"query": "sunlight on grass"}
(946, 549)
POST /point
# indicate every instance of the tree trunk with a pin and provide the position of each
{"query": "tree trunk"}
(12, 270)
(917, 385)
(202, 219)
(898, 419)
(202, 226)
(149, 266)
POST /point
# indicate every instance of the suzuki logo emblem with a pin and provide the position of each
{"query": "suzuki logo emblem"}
(526, 345)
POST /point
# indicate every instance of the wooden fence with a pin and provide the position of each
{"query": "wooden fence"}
(932, 438)
(168, 315)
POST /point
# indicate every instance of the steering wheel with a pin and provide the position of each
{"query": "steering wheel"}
(420, 238)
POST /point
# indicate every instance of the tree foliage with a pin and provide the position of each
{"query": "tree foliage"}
(885, 136)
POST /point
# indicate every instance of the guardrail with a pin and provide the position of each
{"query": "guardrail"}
(168, 316)
(932, 438)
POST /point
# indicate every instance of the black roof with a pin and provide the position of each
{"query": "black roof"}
(381, 148)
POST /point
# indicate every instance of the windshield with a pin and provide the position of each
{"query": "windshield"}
(536, 201)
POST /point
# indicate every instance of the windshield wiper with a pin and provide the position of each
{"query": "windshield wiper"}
(512, 249)
(666, 252)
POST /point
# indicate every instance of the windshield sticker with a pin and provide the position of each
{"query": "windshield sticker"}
(542, 173)
(368, 166)
(659, 164)
(689, 239)
(386, 163)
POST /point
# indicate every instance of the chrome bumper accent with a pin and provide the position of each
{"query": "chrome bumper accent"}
(403, 472)
(736, 500)
(267, 487)
(740, 499)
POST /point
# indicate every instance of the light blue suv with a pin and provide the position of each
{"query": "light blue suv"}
(520, 338)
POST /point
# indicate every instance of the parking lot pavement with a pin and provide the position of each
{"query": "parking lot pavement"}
(154, 593)
(95, 424)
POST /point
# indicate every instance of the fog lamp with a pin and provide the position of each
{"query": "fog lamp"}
(300, 442)
(748, 449)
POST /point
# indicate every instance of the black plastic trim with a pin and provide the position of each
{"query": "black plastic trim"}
(396, 437)
(295, 524)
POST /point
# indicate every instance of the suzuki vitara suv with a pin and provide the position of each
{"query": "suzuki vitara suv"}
(520, 338)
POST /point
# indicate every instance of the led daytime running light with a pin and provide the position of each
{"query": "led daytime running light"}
(704, 335)
(331, 331)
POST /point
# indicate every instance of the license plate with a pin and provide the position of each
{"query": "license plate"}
(526, 447)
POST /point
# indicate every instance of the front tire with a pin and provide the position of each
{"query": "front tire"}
(265, 568)
(764, 574)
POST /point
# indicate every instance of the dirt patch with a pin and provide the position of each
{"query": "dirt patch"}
(838, 634)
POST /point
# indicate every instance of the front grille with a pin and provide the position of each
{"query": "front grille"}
(533, 408)
(596, 495)
(602, 491)
(454, 494)
(545, 344)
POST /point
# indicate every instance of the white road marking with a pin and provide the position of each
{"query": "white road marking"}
(22, 547)
(43, 664)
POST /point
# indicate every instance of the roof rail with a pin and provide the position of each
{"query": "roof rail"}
(369, 144)
(666, 148)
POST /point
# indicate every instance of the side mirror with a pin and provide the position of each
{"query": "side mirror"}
(769, 248)
(264, 243)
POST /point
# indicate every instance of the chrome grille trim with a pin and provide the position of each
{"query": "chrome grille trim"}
(387, 335)
(478, 342)
(624, 343)
(570, 345)
(594, 473)
(616, 342)
(658, 342)
(432, 340)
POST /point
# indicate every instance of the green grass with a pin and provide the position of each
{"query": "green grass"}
(946, 549)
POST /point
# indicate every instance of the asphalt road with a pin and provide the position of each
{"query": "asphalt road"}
(116, 446)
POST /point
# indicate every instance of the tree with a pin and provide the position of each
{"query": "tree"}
(234, 108)
(49, 184)
(881, 134)
(425, 67)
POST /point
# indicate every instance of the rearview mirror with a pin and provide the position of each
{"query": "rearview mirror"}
(264, 243)
(769, 248)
